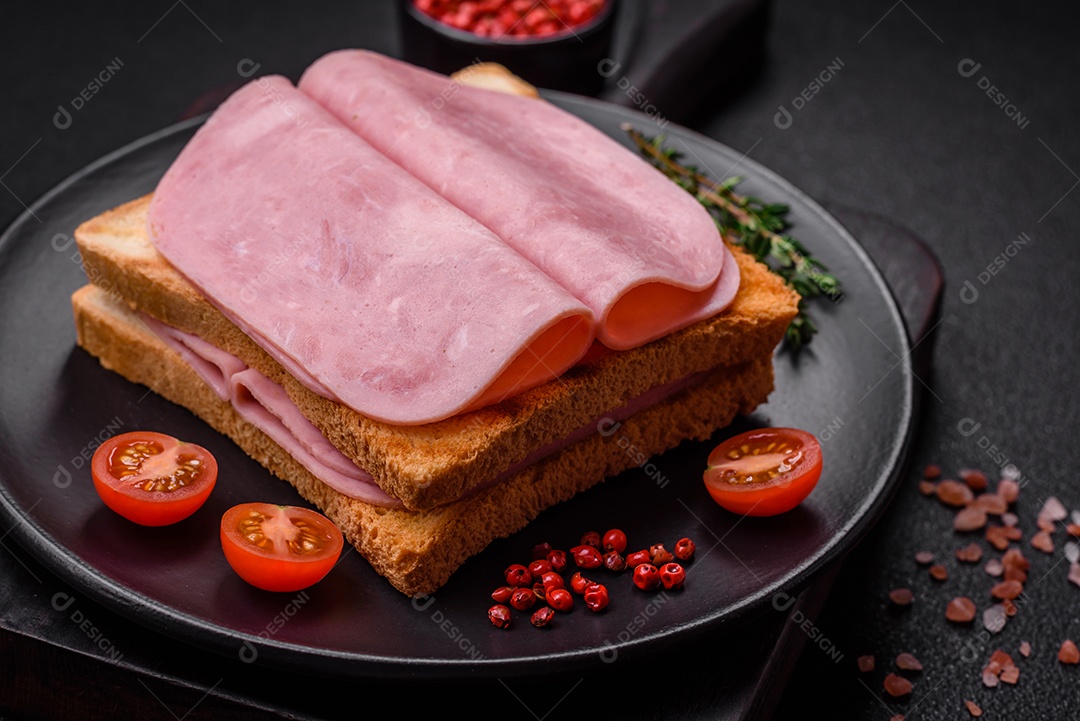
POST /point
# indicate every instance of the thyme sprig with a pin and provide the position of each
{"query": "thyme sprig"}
(752, 224)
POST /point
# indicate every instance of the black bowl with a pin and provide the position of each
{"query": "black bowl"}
(570, 61)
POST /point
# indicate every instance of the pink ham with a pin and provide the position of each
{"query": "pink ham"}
(367, 285)
(265, 405)
(215, 366)
(638, 250)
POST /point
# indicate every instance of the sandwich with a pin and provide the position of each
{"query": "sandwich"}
(326, 280)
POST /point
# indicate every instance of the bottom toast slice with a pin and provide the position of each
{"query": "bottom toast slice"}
(417, 551)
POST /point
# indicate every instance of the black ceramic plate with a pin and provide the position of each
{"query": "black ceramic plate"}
(850, 388)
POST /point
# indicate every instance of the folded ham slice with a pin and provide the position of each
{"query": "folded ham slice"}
(637, 249)
(363, 282)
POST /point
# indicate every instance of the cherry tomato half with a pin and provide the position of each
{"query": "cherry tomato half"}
(279, 548)
(764, 472)
(151, 478)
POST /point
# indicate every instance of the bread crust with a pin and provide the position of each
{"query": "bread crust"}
(418, 550)
(434, 464)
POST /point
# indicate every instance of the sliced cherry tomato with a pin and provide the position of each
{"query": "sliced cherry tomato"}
(764, 472)
(279, 548)
(151, 478)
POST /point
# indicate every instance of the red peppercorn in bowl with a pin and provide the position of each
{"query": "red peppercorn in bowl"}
(512, 18)
(556, 44)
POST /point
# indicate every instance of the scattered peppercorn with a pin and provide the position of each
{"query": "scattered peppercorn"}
(557, 559)
(539, 567)
(552, 580)
(542, 616)
(596, 597)
(660, 555)
(560, 599)
(523, 599)
(517, 576)
(579, 583)
(673, 576)
(614, 540)
(647, 577)
(684, 549)
(591, 538)
(613, 561)
(499, 616)
(586, 557)
(540, 551)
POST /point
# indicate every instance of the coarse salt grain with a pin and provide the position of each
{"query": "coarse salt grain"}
(971, 518)
(970, 553)
(908, 662)
(1010, 675)
(1042, 542)
(901, 596)
(960, 610)
(1054, 509)
(1009, 490)
(974, 478)
(995, 536)
(954, 493)
(897, 686)
(1007, 590)
(994, 618)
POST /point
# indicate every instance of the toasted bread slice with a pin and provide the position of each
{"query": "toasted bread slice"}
(492, 76)
(434, 464)
(419, 550)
